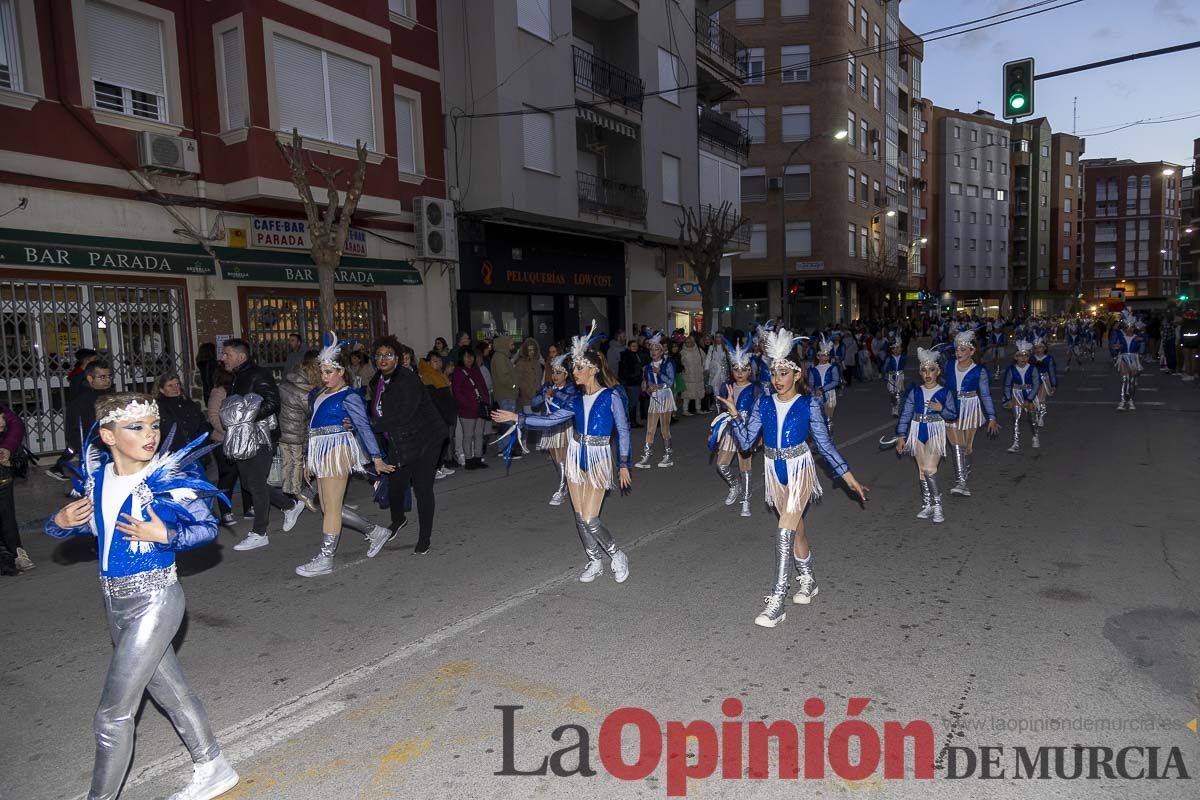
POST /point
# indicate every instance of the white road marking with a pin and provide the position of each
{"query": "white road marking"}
(1099, 403)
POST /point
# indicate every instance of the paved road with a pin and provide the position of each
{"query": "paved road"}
(1065, 589)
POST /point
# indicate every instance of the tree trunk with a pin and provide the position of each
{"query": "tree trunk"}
(708, 303)
(326, 300)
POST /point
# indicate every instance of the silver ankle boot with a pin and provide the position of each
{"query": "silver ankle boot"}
(926, 499)
(595, 554)
(322, 563)
(560, 494)
(644, 461)
(936, 497)
(726, 473)
(774, 611)
(604, 537)
(745, 494)
(962, 471)
(806, 581)
(666, 459)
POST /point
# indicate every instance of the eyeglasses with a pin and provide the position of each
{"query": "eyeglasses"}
(385, 356)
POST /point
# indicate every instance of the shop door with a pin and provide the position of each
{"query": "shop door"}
(541, 320)
(138, 329)
(271, 317)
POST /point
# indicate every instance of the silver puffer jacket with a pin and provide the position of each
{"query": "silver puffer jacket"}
(243, 436)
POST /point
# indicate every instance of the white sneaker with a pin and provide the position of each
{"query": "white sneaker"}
(593, 570)
(1121, 406)
(745, 508)
(806, 591)
(23, 562)
(557, 498)
(1016, 448)
(1132, 407)
(253, 541)
(773, 613)
(291, 515)
(620, 566)
(925, 513)
(666, 461)
(1036, 443)
(210, 779)
(378, 537)
(937, 513)
(735, 492)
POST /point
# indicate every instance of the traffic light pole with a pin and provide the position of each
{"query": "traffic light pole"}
(1120, 60)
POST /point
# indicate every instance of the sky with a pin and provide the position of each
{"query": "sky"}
(964, 71)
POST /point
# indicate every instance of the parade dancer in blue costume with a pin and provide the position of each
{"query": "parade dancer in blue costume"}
(973, 396)
(1047, 375)
(1021, 384)
(1074, 344)
(997, 342)
(334, 452)
(556, 393)
(745, 395)
(1128, 345)
(825, 378)
(658, 382)
(893, 371)
(786, 419)
(599, 414)
(143, 506)
(928, 406)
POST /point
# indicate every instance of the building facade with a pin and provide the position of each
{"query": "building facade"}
(1031, 165)
(1131, 231)
(1189, 240)
(831, 103)
(589, 121)
(152, 211)
(1066, 215)
(973, 196)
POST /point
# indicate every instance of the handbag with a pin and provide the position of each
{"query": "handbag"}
(485, 409)
(275, 474)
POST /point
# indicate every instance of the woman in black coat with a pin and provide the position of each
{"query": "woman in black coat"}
(178, 411)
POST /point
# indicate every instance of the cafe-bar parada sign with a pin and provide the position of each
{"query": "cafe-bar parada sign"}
(278, 233)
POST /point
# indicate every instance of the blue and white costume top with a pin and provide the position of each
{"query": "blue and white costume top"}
(972, 394)
(894, 364)
(1128, 348)
(548, 399)
(1021, 383)
(930, 425)
(997, 339)
(596, 417)
(171, 484)
(333, 451)
(745, 397)
(660, 387)
(785, 427)
(824, 380)
(1047, 370)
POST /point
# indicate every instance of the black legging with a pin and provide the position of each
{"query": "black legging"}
(226, 478)
(253, 474)
(419, 472)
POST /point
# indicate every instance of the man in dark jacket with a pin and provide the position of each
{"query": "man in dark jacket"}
(249, 377)
(80, 413)
(629, 372)
(402, 410)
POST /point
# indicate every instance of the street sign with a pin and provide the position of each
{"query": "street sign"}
(810, 266)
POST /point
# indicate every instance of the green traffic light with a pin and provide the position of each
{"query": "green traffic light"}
(1016, 102)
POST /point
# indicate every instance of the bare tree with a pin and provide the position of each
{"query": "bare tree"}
(884, 273)
(328, 227)
(704, 234)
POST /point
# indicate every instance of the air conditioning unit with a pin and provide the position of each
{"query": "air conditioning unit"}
(775, 184)
(436, 231)
(169, 153)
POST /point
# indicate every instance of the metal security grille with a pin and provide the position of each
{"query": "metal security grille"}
(271, 318)
(138, 329)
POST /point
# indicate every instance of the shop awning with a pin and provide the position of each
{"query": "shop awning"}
(240, 264)
(608, 123)
(73, 252)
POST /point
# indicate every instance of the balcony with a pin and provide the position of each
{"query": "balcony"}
(608, 80)
(1020, 209)
(740, 240)
(601, 196)
(1020, 235)
(722, 134)
(717, 54)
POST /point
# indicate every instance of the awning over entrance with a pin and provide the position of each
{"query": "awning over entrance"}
(71, 252)
(270, 265)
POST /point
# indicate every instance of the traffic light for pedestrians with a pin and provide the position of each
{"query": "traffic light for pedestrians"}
(1018, 88)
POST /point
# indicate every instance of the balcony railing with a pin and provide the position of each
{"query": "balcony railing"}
(1021, 209)
(601, 196)
(608, 80)
(722, 132)
(719, 43)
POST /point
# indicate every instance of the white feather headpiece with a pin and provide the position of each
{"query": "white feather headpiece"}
(895, 341)
(1038, 340)
(580, 345)
(559, 363)
(928, 356)
(777, 346)
(966, 337)
(656, 339)
(329, 352)
(825, 347)
(134, 410)
(1127, 318)
(1024, 346)
(739, 354)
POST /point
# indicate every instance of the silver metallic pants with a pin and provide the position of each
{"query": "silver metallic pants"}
(142, 628)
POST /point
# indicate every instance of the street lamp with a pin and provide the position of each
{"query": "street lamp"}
(1168, 172)
(784, 305)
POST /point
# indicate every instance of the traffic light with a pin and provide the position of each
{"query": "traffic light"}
(1183, 297)
(1018, 88)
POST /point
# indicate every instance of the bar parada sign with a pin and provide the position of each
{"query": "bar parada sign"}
(292, 234)
(308, 274)
(102, 258)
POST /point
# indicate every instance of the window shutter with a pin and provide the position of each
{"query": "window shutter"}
(710, 180)
(235, 89)
(670, 179)
(300, 82)
(125, 49)
(406, 151)
(351, 101)
(10, 51)
(537, 130)
(731, 185)
(668, 84)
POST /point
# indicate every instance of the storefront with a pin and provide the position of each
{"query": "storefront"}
(530, 282)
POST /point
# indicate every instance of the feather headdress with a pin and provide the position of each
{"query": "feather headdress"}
(739, 355)
(777, 346)
(825, 347)
(653, 339)
(580, 345)
(1127, 318)
(559, 363)
(329, 352)
(933, 356)
(966, 337)
(1024, 346)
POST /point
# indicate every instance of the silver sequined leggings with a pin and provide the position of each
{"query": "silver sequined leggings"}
(142, 628)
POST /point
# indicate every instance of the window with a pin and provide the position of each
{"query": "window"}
(972, 190)
(876, 94)
(758, 241)
(668, 76)
(1042, 250)
(987, 272)
(1001, 194)
(1003, 167)
(794, 64)
(1068, 157)
(1045, 176)
(957, 160)
(1144, 200)
(957, 271)
(797, 123)
(862, 81)
(232, 78)
(1067, 206)
(851, 125)
(974, 161)
(971, 244)
(987, 219)
(988, 166)
(752, 60)
(864, 191)
(798, 238)
(537, 129)
(534, 16)
(864, 22)
(850, 13)
(1066, 253)
(989, 193)
(862, 243)
(863, 136)
(407, 136)
(957, 132)
(754, 120)
(989, 138)
(789, 8)
(1003, 140)
(987, 246)
(974, 134)
(748, 9)
(955, 188)
(972, 217)
(850, 70)
(1003, 221)
(125, 52)
(1045, 151)
(797, 182)
(957, 243)
(754, 183)
(323, 95)
(670, 179)
(876, 39)
(851, 239)
(957, 215)
(851, 184)
(1067, 227)
(10, 48)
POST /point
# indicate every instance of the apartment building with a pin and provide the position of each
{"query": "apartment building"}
(832, 105)
(149, 210)
(1066, 215)
(1032, 165)
(1131, 230)
(580, 132)
(1189, 240)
